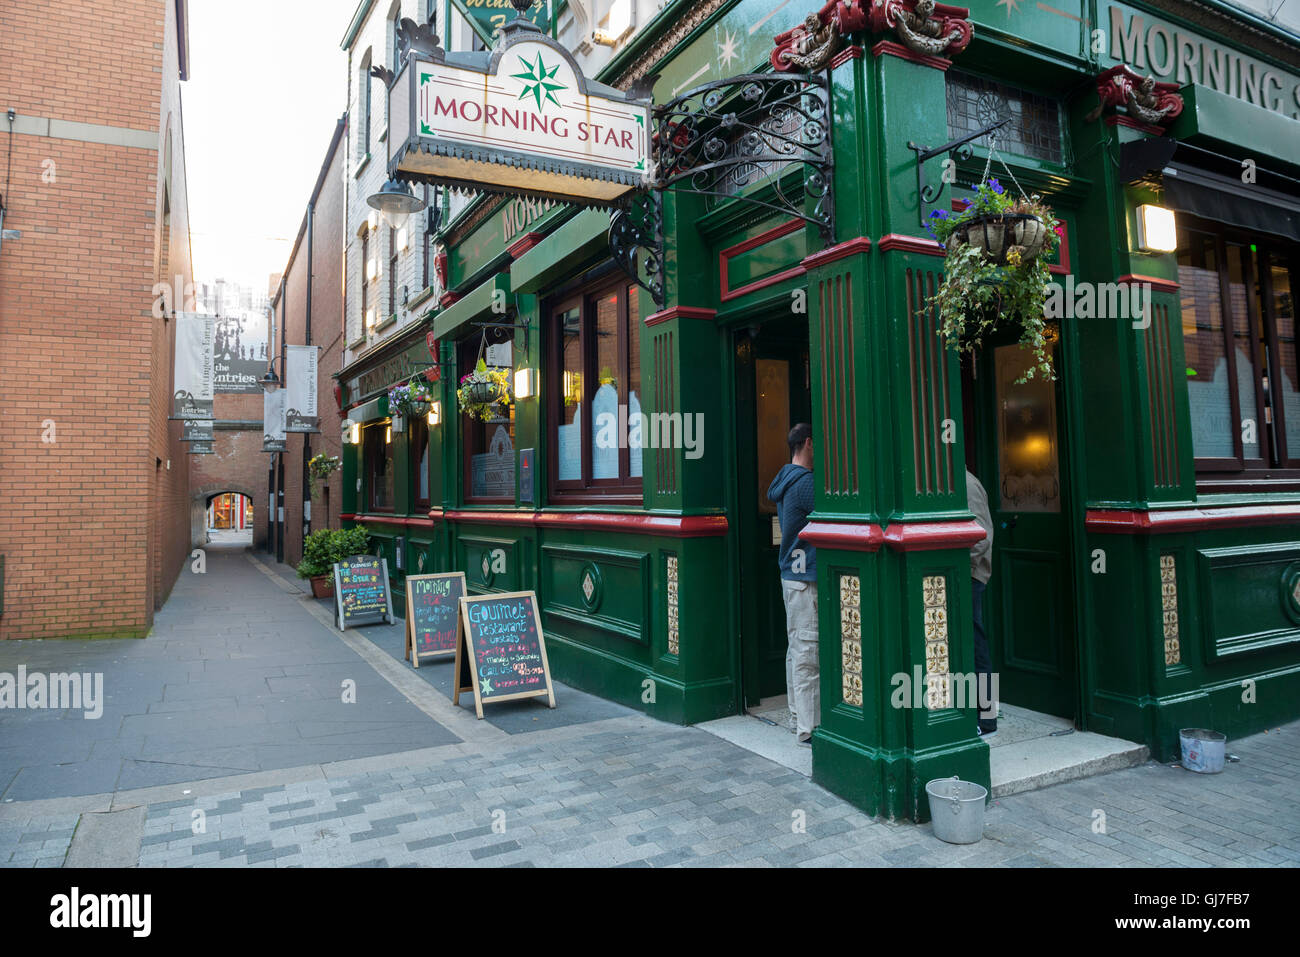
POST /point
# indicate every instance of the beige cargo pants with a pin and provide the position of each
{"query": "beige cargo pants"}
(802, 678)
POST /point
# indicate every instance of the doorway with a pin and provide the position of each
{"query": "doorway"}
(1015, 448)
(773, 393)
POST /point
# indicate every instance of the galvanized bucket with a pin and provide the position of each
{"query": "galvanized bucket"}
(1202, 750)
(956, 810)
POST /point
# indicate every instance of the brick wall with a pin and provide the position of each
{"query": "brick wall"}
(93, 520)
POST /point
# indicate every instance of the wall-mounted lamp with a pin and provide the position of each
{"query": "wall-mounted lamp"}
(356, 433)
(618, 24)
(1157, 229)
(388, 435)
(525, 383)
(435, 412)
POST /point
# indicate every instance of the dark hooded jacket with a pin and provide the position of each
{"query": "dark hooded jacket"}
(792, 493)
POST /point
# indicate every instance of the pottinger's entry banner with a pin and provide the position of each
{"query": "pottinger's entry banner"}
(300, 413)
(192, 387)
(273, 408)
(527, 121)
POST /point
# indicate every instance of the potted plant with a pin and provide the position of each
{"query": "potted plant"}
(325, 546)
(995, 271)
(484, 393)
(320, 467)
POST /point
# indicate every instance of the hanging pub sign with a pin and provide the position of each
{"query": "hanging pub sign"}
(520, 118)
(503, 653)
(300, 414)
(192, 385)
(273, 409)
(197, 430)
(361, 591)
(489, 16)
(432, 615)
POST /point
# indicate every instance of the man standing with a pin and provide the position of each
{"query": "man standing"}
(792, 493)
(981, 570)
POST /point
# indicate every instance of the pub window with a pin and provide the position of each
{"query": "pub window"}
(392, 271)
(367, 101)
(420, 462)
(1035, 127)
(489, 458)
(1239, 341)
(595, 365)
(379, 467)
(365, 280)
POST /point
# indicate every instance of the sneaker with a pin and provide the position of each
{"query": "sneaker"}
(986, 734)
(806, 739)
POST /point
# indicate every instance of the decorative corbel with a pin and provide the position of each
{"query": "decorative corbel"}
(925, 27)
(1145, 100)
(811, 45)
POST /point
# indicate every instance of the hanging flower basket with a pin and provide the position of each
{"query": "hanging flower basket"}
(320, 467)
(995, 272)
(484, 393)
(412, 399)
(997, 235)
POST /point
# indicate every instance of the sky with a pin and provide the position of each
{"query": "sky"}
(260, 108)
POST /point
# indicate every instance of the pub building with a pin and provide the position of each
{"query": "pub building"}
(771, 266)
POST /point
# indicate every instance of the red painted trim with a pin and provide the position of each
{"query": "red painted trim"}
(1063, 267)
(448, 298)
(1159, 285)
(932, 536)
(762, 239)
(521, 246)
(848, 536)
(897, 49)
(961, 205)
(669, 526)
(1137, 522)
(840, 251)
(407, 520)
(909, 244)
(680, 312)
(347, 518)
(853, 52)
(1134, 125)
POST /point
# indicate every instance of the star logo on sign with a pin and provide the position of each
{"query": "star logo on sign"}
(1013, 6)
(727, 50)
(538, 81)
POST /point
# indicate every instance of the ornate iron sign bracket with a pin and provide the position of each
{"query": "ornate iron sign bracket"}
(959, 149)
(638, 228)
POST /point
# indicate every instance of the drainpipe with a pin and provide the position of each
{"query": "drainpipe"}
(306, 439)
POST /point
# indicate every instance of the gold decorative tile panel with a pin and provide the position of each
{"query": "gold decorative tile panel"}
(1169, 609)
(851, 638)
(674, 644)
(938, 681)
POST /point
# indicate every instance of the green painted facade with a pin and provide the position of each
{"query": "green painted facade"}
(1078, 611)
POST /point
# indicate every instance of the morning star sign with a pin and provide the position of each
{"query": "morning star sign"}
(518, 119)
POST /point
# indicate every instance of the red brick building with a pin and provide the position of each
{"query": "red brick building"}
(94, 481)
(307, 309)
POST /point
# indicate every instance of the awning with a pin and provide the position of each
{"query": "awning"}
(376, 408)
(477, 305)
(570, 247)
(1224, 200)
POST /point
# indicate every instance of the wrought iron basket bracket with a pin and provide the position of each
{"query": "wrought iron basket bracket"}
(493, 324)
(636, 241)
(959, 150)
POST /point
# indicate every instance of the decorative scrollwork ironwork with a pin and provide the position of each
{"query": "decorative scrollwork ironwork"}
(637, 230)
(718, 139)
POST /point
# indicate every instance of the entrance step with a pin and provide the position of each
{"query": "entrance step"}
(1033, 750)
(764, 730)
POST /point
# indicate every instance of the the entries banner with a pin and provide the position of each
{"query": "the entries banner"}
(240, 353)
(488, 16)
(202, 448)
(197, 430)
(301, 414)
(192, 387)
(273, 407)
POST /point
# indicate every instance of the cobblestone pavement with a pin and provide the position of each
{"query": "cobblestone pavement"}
(629, 790)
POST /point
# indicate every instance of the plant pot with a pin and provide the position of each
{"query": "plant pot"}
(481, 393)
(419, 408)
(995, 236)
(322, 586)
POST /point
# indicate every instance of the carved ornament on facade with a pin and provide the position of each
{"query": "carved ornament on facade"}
(925, 27)
(1146, 101)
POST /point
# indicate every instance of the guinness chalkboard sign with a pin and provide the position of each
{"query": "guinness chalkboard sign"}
(503, 654)
(361, 594)
(433, 615)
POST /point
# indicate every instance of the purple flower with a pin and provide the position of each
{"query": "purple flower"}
(996, 187)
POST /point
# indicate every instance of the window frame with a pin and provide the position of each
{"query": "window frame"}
(626, 489)
(375, 436)
(418, 444)
(1277, 466)
(470, 428)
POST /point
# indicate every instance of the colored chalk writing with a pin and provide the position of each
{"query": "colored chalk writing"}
(432, 614)
(504, 653)
(361, 591)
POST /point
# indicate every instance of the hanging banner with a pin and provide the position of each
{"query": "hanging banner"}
(192, 386)
(488, 16)
(273, 407)
(300, 413)
(196, 430)
(240, 352)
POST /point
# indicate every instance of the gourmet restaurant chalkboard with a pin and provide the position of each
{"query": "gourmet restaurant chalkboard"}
(361, 591)
(433, 615)
(503, 654)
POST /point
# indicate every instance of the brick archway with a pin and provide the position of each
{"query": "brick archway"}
(199, 499)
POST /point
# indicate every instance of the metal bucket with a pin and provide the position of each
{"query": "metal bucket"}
(1202, 750)
(956, 810)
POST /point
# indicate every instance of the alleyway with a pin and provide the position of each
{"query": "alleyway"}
(233, 707)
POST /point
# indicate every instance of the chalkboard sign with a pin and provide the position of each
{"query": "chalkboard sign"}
(503, 654)
(361, 594)
(433, 615)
